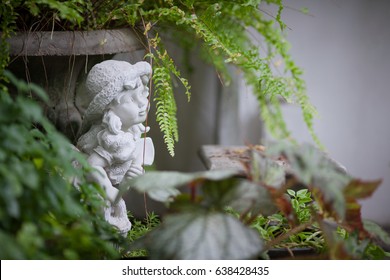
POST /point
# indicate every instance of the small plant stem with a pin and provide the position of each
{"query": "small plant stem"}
(286, 235)
(192, 187)
(290, 252)
(147, 115)
(250, 220)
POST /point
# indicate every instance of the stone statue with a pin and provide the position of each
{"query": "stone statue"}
(112, 130)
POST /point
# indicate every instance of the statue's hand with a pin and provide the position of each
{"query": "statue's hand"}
(134, 171)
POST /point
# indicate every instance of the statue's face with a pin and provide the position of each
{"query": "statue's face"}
(133, 106)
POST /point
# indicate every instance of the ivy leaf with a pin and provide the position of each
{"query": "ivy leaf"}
(303, 193)
(163, 185)
(202, 235)
(291, 192)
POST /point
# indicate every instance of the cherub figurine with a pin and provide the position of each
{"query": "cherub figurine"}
(113, 130)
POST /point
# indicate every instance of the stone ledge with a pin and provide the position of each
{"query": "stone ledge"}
(65, 43)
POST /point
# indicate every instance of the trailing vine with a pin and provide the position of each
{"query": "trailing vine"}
(238, 33)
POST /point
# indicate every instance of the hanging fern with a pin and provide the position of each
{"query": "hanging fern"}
(268, 87)
(166, 108)
(235, 46)
(238, 33)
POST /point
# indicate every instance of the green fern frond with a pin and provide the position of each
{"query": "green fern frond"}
(297, 85)
(267, 87)
(166, 109)
(290, 87)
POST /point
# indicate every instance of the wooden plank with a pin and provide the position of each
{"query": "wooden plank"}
(216, 157)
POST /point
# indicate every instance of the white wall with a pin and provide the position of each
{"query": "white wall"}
(344, 49)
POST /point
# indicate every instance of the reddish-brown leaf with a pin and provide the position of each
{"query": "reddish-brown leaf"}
(353, 218)
(361, 189)
(338, 252)
(283, 205)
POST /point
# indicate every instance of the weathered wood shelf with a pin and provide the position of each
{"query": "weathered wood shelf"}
(216, 157)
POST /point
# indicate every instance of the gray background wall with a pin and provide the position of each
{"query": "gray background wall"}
(343, 47)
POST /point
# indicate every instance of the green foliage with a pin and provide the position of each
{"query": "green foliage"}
(138, 229)
(67, 10)
(226, 32)
(42, 215)
(299, 202)
(314, 206)
(276, 225)
(358, 248)
(8, 18)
